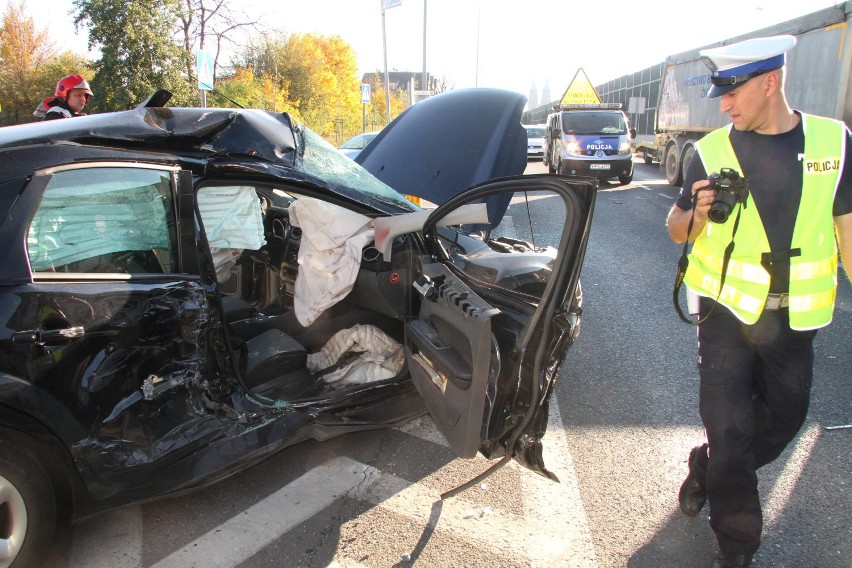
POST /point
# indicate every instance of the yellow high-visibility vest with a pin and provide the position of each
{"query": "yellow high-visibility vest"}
(813, 274)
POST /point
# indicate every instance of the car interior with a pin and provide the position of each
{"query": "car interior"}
(342, 326)
(258, 296)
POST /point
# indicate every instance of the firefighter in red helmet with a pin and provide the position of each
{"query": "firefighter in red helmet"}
(71, 96)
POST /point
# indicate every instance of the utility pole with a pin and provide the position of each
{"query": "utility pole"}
(423, 84)
(387, 82)
(478, 24)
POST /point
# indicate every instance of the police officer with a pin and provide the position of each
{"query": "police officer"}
(761, 303)
(70, 97)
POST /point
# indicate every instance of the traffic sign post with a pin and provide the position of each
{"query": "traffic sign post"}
(365, 100)
(204, 63)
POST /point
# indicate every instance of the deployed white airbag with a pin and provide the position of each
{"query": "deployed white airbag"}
(233, 222)
(329, 254)
(232, 217)
(379, 356)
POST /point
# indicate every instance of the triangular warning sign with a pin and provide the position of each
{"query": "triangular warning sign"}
(580, 91)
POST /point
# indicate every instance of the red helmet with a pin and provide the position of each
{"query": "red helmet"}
(74, 81)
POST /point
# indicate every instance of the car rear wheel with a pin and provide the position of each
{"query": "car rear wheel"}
(624, 180)
(27, 505)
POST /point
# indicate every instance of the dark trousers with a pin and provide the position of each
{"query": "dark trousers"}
(754, 395)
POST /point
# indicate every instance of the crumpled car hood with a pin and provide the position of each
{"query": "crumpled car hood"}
(450, 142)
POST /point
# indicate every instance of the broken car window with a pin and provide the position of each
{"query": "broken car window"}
(104, 220)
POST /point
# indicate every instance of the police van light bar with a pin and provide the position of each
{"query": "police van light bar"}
(568, 106)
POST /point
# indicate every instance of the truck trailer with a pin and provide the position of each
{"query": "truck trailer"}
(817, 81)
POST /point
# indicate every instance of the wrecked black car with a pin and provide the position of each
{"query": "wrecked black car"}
(186, 291)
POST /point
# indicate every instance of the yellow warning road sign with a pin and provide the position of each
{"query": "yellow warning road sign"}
(580, 91)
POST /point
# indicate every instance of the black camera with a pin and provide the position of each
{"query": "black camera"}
(731, 189)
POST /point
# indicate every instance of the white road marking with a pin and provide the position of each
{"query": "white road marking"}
(242, 536)
(553, 522)
(113, 540)
(493, 529)
(783, 488)
(556, 504)
(559, 503)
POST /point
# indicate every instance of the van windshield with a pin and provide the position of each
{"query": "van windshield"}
(593, 122)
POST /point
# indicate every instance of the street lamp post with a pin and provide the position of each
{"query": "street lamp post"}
(423, 84)
(387, 82)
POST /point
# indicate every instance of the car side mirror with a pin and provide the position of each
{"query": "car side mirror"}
(158, 99)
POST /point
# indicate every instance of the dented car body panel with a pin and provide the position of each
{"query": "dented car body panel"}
(146, 358)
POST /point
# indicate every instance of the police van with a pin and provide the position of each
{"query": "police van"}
(592, 140)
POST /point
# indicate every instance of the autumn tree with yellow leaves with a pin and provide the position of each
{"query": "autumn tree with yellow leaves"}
(30, 66)
(311, 76)
(145, 45)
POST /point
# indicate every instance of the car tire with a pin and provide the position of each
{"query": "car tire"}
(551, 167)
(647, 157)
(28, 506)
(624, 180)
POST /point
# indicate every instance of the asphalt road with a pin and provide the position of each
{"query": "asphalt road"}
(628, 399)
(624, 419)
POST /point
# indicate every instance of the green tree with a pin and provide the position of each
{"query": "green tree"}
(138, 51)
(209, 25)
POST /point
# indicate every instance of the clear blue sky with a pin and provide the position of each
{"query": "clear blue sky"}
(499, 43)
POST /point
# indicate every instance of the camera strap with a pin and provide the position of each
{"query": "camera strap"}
(683, 264)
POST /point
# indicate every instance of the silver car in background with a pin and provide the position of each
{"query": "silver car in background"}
(535, 140)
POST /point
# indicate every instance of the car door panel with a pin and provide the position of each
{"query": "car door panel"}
(109, 334)
(493, 320)
(450, 356)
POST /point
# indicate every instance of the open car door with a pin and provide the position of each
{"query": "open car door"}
(498, 310)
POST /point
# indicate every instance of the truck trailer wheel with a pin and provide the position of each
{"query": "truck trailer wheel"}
(687, 157)
(674, 173)
(27, 505)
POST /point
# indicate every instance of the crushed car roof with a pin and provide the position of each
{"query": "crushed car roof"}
(251, 133)
(238, 141)
(485, 142)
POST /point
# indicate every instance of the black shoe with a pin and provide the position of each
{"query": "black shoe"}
(731, 560)
(692, 494)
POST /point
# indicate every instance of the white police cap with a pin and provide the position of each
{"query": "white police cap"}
(732, 65)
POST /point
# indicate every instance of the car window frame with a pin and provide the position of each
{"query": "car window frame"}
(42, 177)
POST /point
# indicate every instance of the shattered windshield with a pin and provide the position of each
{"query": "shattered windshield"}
(324, 161)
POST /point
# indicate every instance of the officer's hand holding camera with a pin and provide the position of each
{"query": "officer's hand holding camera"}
(717, 196)
(703, 196)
